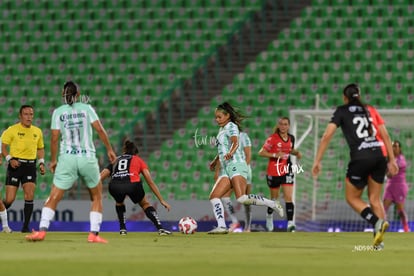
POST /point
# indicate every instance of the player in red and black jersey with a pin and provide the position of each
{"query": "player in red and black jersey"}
(370, 150)
(125, 181)
(278, 148)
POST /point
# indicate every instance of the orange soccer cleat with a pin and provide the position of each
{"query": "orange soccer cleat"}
(36, 236)
(96, 238)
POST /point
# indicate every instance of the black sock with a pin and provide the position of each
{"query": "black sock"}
(120, 211)
(28, 210)
(153, 216)
(7, 205)
(290, 210)
(369, 216)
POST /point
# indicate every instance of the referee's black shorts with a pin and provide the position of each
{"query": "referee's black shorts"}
(119, 190)
(26, 172)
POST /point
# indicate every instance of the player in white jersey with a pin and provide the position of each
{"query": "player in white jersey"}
(234, 166)
(246, 150)
(74, 122)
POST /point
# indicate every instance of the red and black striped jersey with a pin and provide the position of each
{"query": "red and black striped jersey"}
(127, 168)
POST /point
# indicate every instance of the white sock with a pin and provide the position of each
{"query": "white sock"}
(47, 216)
(256, 200)
(96, 220)
(218, 212)
(3, 217)
(228, 205)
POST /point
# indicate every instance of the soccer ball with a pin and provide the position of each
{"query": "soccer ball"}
(187, 225)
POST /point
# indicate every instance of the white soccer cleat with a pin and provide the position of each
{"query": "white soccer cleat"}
(279, 209)
(218, 230)
(291, 227)
(7, 229)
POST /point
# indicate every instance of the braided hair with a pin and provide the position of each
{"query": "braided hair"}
(353, 93)
(235, 116)
(70, 90)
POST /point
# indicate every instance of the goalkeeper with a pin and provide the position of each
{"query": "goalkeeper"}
(370, 147)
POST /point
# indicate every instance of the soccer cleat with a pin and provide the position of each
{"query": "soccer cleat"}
(92, 238)
(380, 227)
(269, 222)
(379, 247)
(406, 228)
(291, 226)
(36, 236)
(234, 226)
(7, 229)
(123, 232)
(247, 230)
(278, 208)
(163, 232)
(218, 230)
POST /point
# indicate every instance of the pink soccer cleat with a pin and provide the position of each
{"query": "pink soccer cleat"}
(92, 238)
(36, 236)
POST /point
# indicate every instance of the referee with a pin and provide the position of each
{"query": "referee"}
(22, 144)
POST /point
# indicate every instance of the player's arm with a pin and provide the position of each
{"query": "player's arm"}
(296, 153)
(105, 140)
(392, 163)
(264, 153)
(41, 160)
(234, 145)
(54, 144)
(105, 174)
(248, 154)
(5, 151)
(323, 145)
(147, 175)
(213, 163)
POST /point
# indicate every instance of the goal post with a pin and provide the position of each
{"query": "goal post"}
(320, 203)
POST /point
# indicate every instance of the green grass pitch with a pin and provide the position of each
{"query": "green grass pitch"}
(138, 253)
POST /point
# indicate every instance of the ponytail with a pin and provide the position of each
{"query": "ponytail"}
(353, 93)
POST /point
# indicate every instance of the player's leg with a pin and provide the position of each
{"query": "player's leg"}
(3, 218)
(11, 191)
(118, 194)
(221, 187)
(374, 196)
(387, 203)
(95, 215)
(228, 206)
(375, 187)
(248, 209)
(48, 212)
(29, 191)
(290, 207)
(238, 176)
(152, 215)
(88, 169)
(403, 216)
(400, 196)
(120, 212)
(273, 183)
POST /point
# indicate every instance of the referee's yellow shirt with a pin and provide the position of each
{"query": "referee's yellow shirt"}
(23, 141)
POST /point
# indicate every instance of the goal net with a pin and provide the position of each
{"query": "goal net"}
(320, 204)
